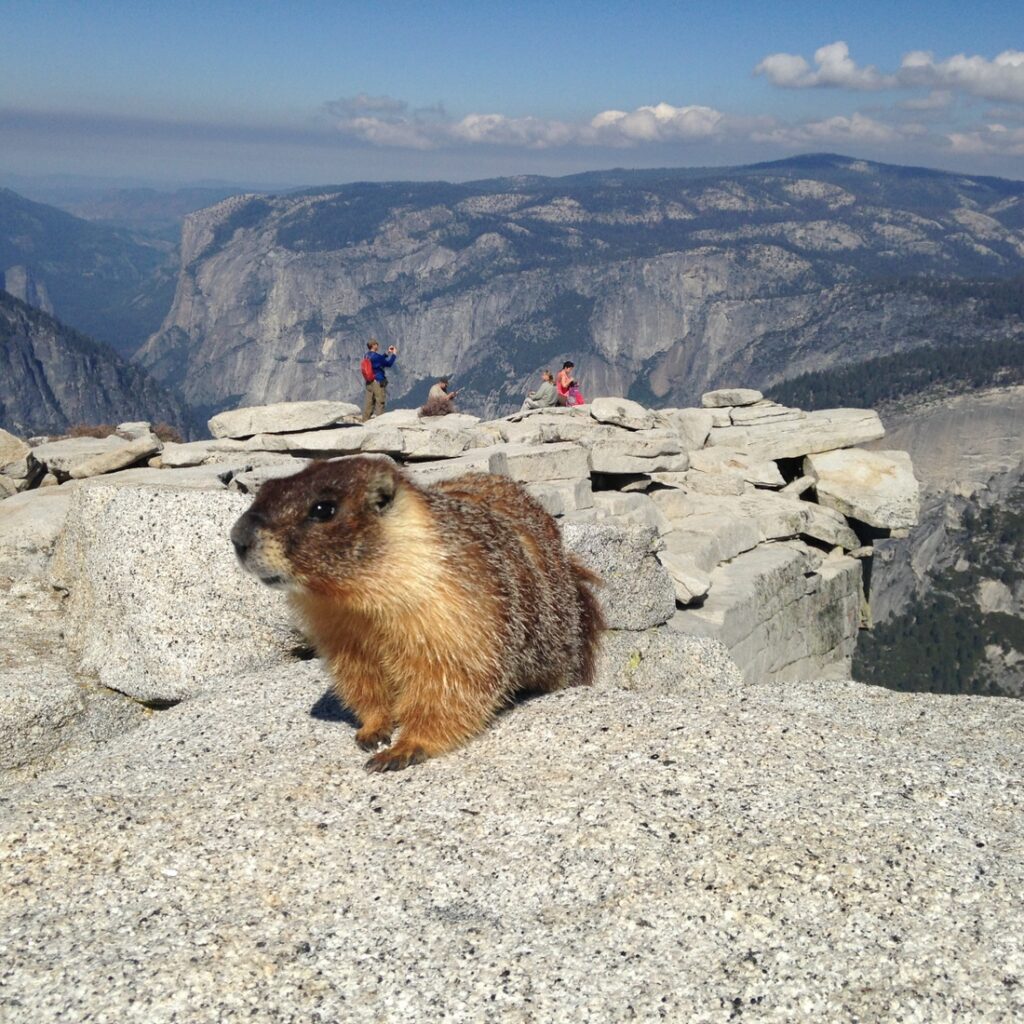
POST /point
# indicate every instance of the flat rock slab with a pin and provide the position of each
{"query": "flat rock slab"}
(191, 453)
(764, 412)
(775, 516)
(398, 418)
(61, 457)
(692, 426)
(134, 429)
(875, 487)
(729, 461)
(563, 497)
(551, 425)
(251, 480)
(120, 458)
(476, 461)
(538, 463)
(815, 852)
(435, 442)
(628, 509)
(725, 397)
(157, 604)
(708, 538)
(622, 412)
(819, 431)
(345, 440)
(644, 444)
(213, 476)
(280, 418)
(412, 418)
(608, 460)
(691, 582)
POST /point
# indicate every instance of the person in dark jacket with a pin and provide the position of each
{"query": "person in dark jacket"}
(376, 389)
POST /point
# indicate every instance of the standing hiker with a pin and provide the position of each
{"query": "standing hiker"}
(373, 366)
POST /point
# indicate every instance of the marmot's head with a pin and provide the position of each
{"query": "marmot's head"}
(316, 530)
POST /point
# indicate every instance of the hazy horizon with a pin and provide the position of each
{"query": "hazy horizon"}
(315, 93)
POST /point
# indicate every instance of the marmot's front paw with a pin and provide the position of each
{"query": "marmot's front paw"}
(372, 739)
(395, 759)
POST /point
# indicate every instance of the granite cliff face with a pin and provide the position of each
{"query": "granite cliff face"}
(950, 598)
(659, 284)
(968, 452)
(54, 377)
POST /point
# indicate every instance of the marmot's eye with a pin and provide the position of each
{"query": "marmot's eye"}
(322, 511)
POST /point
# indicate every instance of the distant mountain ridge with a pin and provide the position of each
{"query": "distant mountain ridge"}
(149, 211)
(104, 282)
(658, 284)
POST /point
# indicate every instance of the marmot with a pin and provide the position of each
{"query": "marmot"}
(433, 606)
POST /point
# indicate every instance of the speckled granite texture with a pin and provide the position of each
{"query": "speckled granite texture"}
(795, 852)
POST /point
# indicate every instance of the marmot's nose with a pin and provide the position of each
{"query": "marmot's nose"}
(242, 534)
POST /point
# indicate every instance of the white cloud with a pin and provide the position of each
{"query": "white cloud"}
(384, 121)
(835, 69)
(381, 120)
(496, 129)
(999, 79)
(839, 130)
(989, 140)
(660, 123)
(937, 99)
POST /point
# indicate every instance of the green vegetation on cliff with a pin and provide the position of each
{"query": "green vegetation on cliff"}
(944, 642)
(976, 340)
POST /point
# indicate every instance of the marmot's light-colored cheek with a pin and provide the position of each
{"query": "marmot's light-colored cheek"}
(267, 562)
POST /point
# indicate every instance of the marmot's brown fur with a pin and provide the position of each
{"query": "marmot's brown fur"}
(432, 606)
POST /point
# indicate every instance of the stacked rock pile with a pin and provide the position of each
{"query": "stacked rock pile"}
(743, 520)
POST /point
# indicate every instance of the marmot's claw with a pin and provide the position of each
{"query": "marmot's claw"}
(392, 761)
(371, 741)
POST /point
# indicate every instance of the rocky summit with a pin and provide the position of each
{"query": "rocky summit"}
(724, 826)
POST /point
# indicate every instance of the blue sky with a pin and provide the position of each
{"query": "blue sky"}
(306, 93)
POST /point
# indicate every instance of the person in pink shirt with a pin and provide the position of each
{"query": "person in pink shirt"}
(563, 381)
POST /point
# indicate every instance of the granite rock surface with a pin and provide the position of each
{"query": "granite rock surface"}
(158, 605)
(794, 852)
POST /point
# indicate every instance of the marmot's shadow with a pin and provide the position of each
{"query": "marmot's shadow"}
(329, 709)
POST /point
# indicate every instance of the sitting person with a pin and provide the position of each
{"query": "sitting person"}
(574, 396)
(545, 396)
(440, 401)
(563, 380)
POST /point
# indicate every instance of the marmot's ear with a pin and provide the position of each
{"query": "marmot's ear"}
(380, 491)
